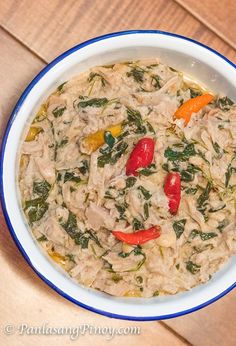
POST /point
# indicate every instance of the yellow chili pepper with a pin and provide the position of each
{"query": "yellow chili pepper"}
(32, 133)
(57, 257)
(42, 112)
(93, 141)
(132, 294)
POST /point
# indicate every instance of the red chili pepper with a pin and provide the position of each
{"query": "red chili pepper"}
(172, 188)
(141, 156)
(139, 237)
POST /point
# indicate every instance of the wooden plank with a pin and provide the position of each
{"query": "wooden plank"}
(218, 15)
(211, 326)
(17, 68)
(50, 27)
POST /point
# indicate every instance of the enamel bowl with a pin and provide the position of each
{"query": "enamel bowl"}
(199, 62)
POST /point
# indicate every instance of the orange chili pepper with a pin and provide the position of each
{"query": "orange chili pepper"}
(193, 105)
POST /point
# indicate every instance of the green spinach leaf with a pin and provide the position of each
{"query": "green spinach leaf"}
(84, 168)
(156, 81)
(42, 238)
(137, 73)
(203, 198)
(191, 190)
(178, 227)
(193, 268)
(137, 224)
(130, 181)
(228, 174)
(71, 176)
(35, 209)
(95, 102)
(41, 188)
(151, 169)
(58, 111)
(146, 210)
(173, 155)
(146, 194)
(224, 103)
(96, 76)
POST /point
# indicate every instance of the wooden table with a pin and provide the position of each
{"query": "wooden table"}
(31, 34)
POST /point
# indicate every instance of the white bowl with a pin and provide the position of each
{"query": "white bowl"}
(195, 59)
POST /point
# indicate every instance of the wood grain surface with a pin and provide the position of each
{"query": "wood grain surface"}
(219, 16)
(31, 34)
(50, 27)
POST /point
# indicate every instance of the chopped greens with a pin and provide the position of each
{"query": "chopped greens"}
(216, 147)
(203, 198)
(194, 92)
(228, 174)
(95, 102)
(156, 81)
(70, 226)
(58, 111)
(137, 73)
(60, 87)
(71, 176)
(42, 238)
(224, 103)
(134, 117)
(136, 251)
(146, 194)
(84, 168)
(63, 142)
(35, 209)
(193, 268)
(41, 188)
(202, 155)
(222, 225)
(151, 169)
(146, 210)
(203, 235)
(207, 235)
(173, 155)
(150, 127)
(97, 77)
(220, 207)
(137, 224)
(80, 238)
(178, 227)
(130, 181)
(70, 257)
(121, 209)
(191, 190)
(113, 156)
(189, 174)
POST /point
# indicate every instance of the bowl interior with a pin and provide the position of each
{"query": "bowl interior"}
(202, 65)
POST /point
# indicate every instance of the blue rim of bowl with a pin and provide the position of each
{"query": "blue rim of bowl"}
(2, 197)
